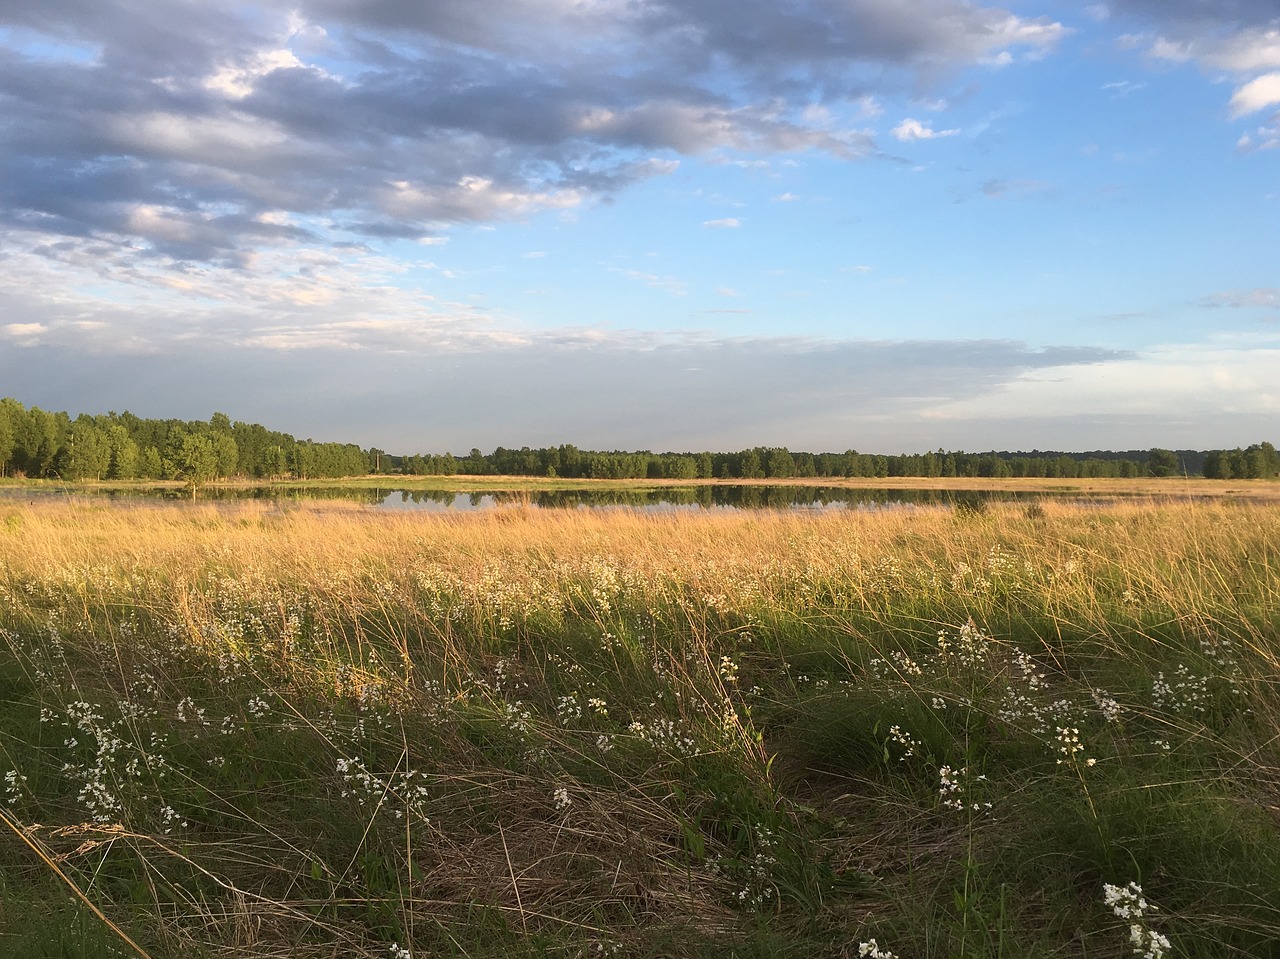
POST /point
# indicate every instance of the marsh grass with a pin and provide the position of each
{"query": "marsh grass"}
(251, 731)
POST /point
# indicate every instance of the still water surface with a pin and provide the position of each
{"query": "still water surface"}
(658, 499)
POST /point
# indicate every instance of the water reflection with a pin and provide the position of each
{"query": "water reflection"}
(672, 498)
(657, 499)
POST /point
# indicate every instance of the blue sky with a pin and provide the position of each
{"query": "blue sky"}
(667, 224)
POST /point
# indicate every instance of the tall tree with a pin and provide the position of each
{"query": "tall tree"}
(86, 452)
(10, 410)
(1162, 462)
(124, 453)
(197, 461)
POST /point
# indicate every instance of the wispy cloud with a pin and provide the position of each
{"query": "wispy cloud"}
(912, 129)
(669, 284)
(1264, 298)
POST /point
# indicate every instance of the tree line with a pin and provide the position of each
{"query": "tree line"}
(122, 446)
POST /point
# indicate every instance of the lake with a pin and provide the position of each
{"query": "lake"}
(652, 499)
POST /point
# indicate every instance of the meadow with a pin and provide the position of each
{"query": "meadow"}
(235, 730)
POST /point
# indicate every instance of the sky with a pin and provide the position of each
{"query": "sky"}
(885, 225)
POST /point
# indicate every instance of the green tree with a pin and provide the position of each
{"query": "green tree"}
(1271, 457)
(197, 461)
(779, 462)
(86, 453)
(274, 462)
(10, 410)
(1162, 462)
(37, 440)
(151, 464)
(302, 460)
(124, 453)
(224, 448)
(1216, 465)
(1261, 461)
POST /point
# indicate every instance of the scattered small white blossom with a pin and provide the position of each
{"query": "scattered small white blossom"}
(871, 950)
(13, 782)
(561, 799)
(905, 740)
(1128, 902)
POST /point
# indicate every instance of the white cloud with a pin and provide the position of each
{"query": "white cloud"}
(670, 284)
(470, 198)
(869, 106)
(1244, 51)
(1264, 297)
(912, 129)
(1122, 88)
(1250, 53)
(1268, 139)
(724, 223)
(202, 140)
(236, 81)
(1257, 94)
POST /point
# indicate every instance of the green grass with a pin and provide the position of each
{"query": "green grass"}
(238, 732)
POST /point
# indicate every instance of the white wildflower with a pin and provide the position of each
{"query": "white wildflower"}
(561, 799)
(871, 950)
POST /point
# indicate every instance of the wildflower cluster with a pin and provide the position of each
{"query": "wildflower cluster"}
(407, 788)
(969, 646)
(1069, 746)
(665, 734)
(759, 871)
(189, 712)
(1026, 700)
(952, 784)
(871, 950)
(1110, 709)
(13, 783)
(568, 709)
(905, 740)
(1128, 902)
(115, 761)
(1184, 692)
(728, 670)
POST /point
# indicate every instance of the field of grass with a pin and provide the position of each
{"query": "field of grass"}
(244, 730)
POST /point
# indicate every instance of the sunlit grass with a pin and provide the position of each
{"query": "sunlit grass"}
(245, 731)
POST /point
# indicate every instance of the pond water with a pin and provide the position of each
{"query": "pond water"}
(656, 499)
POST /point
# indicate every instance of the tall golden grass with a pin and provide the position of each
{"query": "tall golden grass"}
(675, 674)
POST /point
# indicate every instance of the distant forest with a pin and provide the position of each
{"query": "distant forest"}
(120, 446)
